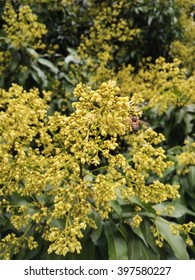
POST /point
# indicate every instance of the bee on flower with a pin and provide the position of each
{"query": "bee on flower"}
(134, 124)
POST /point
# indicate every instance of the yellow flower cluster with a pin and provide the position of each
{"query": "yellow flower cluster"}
(97, 48)
(21, 220)
(16, 244)
(147, 158)
(124, 78)
(22, 27)
(67, 240)
(100, 108)
(185, 53)
(185, 229)
(187, 157)
(4, 59)
(57, 170)
(47, 156)
(163, 84)
(136, 221)
(159, 238)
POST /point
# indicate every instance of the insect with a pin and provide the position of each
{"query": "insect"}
(134, 124)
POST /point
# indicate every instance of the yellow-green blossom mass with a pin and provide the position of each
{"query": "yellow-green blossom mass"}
(51, 164)
(23, 28)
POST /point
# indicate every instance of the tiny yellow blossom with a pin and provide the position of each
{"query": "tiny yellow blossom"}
(136, 220)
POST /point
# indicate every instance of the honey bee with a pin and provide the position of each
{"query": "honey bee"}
(134, 124)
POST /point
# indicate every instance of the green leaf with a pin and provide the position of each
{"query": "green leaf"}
(35, 77)
(123, 230)
(14, 65)
(33, 254)
(20, 255)
(32, 52)
(150, 19)
(48, 64)
(58, 223)
(191, 203)
(117, 248)
(137, 250)
(66, 77)
(41, 75)
(7, 227)
(139, 233)
(184, 182)
(20, 200)
(3, 220)
(87, 252)
(175, 241)
(179, 115)
(23, 76)
(174, 151)
(191, 177)
(145, 206)
(96, 232)
(178, 211)
(188, 119)
(169, 171)
(72, 57)
(116, 207)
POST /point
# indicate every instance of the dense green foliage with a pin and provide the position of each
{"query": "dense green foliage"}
(76, 182)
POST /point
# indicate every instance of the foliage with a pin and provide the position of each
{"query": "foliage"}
(73, 174)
